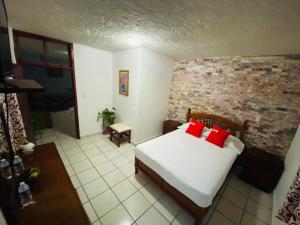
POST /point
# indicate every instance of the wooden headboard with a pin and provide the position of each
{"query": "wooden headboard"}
(235, 128)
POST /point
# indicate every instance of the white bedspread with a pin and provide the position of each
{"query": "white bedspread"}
(193, 166)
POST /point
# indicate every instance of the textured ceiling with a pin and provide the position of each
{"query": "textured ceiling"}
(181, 29)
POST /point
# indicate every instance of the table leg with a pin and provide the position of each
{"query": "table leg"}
(110, 134)
(129, 136)
(119, 139)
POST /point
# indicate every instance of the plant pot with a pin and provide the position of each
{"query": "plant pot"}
(106, 127)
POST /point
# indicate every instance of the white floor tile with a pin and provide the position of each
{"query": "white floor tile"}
(230, 210)
(95, 188)
(259, 211)
(77, 158)
(68, 145)
(62, 154)
(139, 180)
(151, 192)
(207, 216)
(152, 216)
(100, 142)
(95, 137)
(90, 212)
(88, 175)
(261, 197)
(113, 178)
(167, 207)
(98, 159)
(87, 146)
(248, 219)
(136, 205)
(104, 203)
(235, 197)
(239, 185)
(106, 147)
(82, 196)
(70, 170)
(112, 154)
(218, 219)
(65, 162)
(117, 216)
(72, 151)
(75, 181)
(82, 166)
(93, 152)
(105, 168)
(129, 155)
(119, 161)
(82, 141)
(127, 169)
(184, 218)
(124, 189)
(97, 223)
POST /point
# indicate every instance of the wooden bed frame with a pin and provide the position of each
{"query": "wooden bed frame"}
(209, 119)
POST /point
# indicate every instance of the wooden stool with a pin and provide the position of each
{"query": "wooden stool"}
(119, 132)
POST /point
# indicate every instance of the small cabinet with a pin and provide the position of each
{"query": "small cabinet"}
(170, 125)
(262, 169)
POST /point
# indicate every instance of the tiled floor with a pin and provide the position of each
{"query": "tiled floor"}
(112, 194)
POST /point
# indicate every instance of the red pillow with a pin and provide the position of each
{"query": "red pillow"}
(217, 136)
(195, 128)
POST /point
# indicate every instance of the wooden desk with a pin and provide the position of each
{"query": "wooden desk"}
(57, 202)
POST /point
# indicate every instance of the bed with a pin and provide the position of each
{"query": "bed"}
(179, 163)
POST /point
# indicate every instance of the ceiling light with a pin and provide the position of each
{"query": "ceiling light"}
(134, 41)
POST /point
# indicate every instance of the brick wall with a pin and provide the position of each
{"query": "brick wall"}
(263, 90)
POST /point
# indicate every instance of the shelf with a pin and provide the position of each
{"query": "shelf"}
(21, 86)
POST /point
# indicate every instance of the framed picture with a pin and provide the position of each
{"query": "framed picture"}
(123, 82)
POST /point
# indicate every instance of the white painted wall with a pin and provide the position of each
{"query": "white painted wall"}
(93, 73)
(127, 106)
(12, 45)
(156, 71)
(149, 79)
(2, 220)
(292, 163)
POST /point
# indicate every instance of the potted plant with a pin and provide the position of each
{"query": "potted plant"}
(108, 118)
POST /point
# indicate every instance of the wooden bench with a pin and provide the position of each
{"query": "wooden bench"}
(120, 133)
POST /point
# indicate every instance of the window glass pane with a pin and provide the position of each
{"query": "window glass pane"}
(57, 53)
(31, 49)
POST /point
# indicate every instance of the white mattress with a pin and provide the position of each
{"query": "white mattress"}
(193, 166)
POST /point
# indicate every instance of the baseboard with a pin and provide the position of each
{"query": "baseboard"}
(147, 139)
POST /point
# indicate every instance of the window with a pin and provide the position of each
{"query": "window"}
(41, 51)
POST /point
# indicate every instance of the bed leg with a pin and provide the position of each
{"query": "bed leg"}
(136, 169)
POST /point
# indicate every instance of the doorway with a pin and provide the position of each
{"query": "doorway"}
(49, 62)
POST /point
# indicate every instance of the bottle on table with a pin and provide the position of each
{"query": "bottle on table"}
(18, 165)
(25, 194)
(5, 169)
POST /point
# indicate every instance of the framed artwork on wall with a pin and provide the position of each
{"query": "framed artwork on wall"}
(123, 82)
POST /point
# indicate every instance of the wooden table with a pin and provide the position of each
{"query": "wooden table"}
(57, 202)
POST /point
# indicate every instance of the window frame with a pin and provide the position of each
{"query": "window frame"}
(17, 34)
